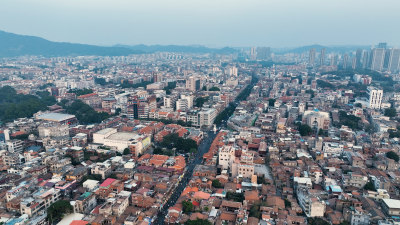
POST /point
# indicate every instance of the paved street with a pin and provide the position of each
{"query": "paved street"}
(203, 148)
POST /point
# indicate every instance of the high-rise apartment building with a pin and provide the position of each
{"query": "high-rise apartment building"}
(263, 53)
(322, 57)
(394, 60)
(311, 57)
(193, 83)
(365, 59)
(375, 97)
(378, 59)
(359, 54)
(253, 53)
(345, 61)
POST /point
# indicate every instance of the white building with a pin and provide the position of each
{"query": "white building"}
(332, 149)
(226, 156)
(182, 104)
(121, 140)
(311, 205)
(378, 59)
(375, 97)
(207, 116)
(189, 98)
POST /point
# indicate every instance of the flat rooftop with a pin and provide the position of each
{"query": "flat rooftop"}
(122, 136)
(392, 203)
(105, 131)
(57, 117)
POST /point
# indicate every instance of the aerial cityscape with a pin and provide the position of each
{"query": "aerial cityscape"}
(143, 133)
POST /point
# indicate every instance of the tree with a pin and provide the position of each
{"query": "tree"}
(80, 92)
(91, 177)
(127, 84)
(325, 84)
(322, 132)
(187, 206)
(214, 89)
(359, 105)
(255, 211)
(181, 144)
(271, 102)
(13, 105)
(305, 130)
(390, 112)
(317, 221)
(204, 88)
(126, 151)
(369, 186)
(199, 102)
(57, 210)
(216, 183)
(237, 197)
(101, 81)
(86, 114)
(288, 204)
(198, 222)
(349, 120)
(393, 155)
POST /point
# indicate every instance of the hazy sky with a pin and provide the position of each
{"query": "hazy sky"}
(276, 23)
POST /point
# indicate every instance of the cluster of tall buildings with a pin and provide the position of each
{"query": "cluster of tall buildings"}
(380, 58)
(260, 53)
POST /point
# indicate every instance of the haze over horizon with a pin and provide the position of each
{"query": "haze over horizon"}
(275, 23)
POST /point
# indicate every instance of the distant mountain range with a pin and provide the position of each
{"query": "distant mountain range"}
(13, 45)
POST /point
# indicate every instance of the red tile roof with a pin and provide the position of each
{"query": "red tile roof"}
(107, 182)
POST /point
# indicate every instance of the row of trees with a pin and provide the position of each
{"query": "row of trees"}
(80, 92)
(126, 84)
(228, 111)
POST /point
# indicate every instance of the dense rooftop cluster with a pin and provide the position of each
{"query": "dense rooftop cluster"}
(198, 139)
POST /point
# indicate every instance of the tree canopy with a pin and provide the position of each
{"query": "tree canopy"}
(349, 120)
(237, 197)
(86, 114)
(271, 102)
(181, 144)
(198, 222)
(392, 155)
(216, 183)
(13, 105)
(304, 129)
(187, 206)
(390, 112)
(214, 89)
(57, 210)
(80, 92)
(199, 102)
(126, 84)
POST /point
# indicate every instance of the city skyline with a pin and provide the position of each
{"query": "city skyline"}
(220, 24)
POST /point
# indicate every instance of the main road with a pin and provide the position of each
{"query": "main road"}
(203, 148)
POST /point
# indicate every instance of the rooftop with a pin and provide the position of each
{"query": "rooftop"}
(392, 203)
(58, 117)
(123, 136)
